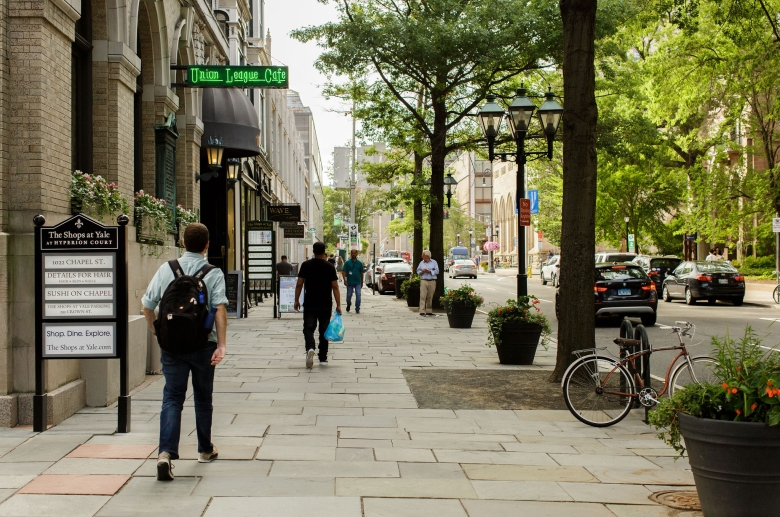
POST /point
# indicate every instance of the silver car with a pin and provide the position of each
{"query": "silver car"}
(463, 268)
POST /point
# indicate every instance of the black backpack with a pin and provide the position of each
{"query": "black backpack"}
(183, 309)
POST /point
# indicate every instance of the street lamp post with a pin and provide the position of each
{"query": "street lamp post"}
(627, 219)
(457, 236)
(521, 112)
(491, 269)
(498, 237)
(471, 241)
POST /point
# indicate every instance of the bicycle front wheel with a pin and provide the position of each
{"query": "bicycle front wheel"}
(597, 391)
(776, 294)
(703, 373)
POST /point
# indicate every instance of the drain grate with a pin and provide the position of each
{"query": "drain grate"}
(678, 499)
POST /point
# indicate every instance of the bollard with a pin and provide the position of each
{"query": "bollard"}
(530, 271)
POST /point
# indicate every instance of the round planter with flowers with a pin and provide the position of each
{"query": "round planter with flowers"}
(731, 431)
(461, 305)
(517, 329)
(410, 288)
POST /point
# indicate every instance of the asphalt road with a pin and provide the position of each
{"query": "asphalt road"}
(710, 321)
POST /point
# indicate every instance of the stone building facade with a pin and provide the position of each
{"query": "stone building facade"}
(87, 85)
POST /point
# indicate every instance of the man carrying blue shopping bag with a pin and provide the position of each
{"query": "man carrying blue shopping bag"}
(319, 279)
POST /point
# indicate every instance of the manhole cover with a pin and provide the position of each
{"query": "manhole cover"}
(678, 499)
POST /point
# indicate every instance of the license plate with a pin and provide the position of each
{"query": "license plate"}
(723, 281)
(624, 292)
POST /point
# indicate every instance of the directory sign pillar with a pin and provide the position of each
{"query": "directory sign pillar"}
(260, 256)
(80, 301)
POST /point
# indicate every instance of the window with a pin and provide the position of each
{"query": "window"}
(81, 93)
(222, 20)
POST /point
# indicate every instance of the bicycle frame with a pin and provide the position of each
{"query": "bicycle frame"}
(632, 370)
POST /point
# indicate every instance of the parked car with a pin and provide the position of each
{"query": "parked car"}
(711, 281)
(463, 268)
(375, 270)
(392, 273)
(549, 270)
(613, 256)
(657, 267)
(622, 290)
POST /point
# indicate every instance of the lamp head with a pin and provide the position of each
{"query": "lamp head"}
(234, 165)
(214, 149)
(520, 112)
(550, 113)
(490, 117)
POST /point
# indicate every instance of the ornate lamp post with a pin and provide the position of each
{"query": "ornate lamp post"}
(521, 111)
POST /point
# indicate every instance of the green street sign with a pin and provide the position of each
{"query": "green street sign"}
(630, 242)
(226, 76)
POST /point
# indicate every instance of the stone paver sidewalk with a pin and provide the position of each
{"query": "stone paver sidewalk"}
(343, 440)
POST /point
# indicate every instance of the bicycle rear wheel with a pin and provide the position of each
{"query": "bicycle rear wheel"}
(595, 394)
(703, 370)
(776, 294)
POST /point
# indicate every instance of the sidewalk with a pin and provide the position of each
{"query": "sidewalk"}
(344, 440)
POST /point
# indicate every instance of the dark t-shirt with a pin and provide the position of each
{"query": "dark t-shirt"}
(318, 276)
(284, 268)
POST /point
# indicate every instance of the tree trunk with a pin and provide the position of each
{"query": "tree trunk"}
(438, 157)
(417, 242)
(576, 325)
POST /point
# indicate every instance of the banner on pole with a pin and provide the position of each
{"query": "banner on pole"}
(533, 195)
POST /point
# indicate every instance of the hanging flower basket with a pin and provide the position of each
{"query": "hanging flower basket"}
(491, 246)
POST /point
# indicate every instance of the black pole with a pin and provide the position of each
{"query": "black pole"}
(40, 406)
(627, 250)
(124, 420)
(522, 276)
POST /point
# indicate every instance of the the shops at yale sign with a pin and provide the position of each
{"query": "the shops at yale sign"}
(80, 233)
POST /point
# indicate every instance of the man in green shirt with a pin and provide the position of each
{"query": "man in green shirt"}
(353, 278)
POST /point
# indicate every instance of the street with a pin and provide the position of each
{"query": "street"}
(709, 320)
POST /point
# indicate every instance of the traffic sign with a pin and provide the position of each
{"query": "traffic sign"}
(776, 224)
(631, 241)
(312, 230)
(354, 237)
(525, 212)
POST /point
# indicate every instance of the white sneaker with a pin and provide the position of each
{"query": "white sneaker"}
(310, 358)
(323, 363)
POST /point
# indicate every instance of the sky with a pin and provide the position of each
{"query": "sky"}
(282, 17)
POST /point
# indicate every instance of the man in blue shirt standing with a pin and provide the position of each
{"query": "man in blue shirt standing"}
(177, 368)
(352, 271)
(428, 271)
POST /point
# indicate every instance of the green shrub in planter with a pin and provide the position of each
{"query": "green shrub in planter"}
(410, 284)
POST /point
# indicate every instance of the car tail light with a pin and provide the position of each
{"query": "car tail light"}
(597, 289)
(739, 278)
(650, 287)
(704, 278)
(653, 273)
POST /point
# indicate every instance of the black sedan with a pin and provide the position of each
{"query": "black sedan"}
(657, 268)
(702, 280)
(623, 290)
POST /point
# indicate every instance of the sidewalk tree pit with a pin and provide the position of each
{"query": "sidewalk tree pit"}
(80, 301)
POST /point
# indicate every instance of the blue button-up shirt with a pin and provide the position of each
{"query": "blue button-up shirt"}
(190, 264)
(433, 268)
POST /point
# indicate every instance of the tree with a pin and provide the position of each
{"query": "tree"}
(451, 51)
(576, 325)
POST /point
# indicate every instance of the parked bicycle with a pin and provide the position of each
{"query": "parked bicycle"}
(776, 292)
(600, 390)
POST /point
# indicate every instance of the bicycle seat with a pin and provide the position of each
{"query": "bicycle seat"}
(627, 343)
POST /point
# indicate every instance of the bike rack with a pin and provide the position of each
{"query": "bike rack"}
(628, 332)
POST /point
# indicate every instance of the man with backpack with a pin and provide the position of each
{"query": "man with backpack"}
(190, 293)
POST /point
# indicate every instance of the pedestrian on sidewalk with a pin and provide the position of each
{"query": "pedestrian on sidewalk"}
(428, 271)
(319, 278)
(284, 268)
(353, 279)
(198, 358)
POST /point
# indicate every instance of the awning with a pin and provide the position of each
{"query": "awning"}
(228, 114)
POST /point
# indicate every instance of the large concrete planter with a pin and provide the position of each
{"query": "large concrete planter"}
(736, 466)
(460, 314)
(518, 343)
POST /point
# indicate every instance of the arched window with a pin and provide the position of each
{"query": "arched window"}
(223, 19)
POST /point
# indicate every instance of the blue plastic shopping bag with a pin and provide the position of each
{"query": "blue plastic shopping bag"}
(335, 330)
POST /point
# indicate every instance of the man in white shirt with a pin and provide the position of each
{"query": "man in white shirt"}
(428, 271)
(711, 257)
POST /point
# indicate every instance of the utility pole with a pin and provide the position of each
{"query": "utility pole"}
(352, 178)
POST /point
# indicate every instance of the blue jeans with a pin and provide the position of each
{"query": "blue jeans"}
(353, 289)
(312, 320)
(176, 369)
